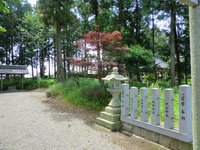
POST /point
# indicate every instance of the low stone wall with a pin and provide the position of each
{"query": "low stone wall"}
(166, 141)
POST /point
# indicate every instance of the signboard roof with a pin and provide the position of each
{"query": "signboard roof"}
(13, 69)
(190, 2)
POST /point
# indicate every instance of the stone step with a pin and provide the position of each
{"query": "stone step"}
(110, 117)
(108, 124)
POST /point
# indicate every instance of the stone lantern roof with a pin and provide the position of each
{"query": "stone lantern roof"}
(115, 75)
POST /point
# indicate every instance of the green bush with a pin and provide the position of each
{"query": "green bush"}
(56, 89)
(83, 92)
(150, 77)
(44, 83)
(29, 83)
(95, 93)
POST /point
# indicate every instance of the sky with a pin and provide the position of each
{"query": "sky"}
(32, 1)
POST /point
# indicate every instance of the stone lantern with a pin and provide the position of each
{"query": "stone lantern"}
(110, 118)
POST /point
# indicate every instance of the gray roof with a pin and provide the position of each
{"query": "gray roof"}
(115, 75)
(160, 63)
(13, 69)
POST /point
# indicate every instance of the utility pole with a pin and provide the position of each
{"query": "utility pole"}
(194, 15)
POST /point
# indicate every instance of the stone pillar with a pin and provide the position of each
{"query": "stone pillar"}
(144, 105)
(168, 118)
(134, 102)
(125, 101)
(194, 14)
(185, 112)
(155, 107)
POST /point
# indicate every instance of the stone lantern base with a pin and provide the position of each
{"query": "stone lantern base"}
(110, 118)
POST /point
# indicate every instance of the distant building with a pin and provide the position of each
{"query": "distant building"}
(162, 68)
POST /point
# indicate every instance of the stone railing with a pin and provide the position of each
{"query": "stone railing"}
(149, 113)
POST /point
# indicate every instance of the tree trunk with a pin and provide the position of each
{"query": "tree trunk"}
(138, 74)
(172, 44)
(55, 55)
(178, 64)
(60, 69)
(99, 63)
(49, 64)
(95, 8)
(121, 14)
(42, 64)
(64, 62)
(86, 57)
(153, 44)
(137, 22)
(13, 55)
(32, 66)
(186, 76)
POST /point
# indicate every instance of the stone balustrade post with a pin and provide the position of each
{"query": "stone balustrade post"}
(144, 104)
(168, 118)
(185, 112)
(125, 100)
(155, 107)
(134, 102)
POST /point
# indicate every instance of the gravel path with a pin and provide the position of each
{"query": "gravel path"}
(29, 121)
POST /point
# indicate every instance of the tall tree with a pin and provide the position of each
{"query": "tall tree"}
(172, 41)
(10, 40)
(57, 13)
(135, 58)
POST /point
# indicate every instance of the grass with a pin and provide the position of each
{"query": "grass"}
(85, 93)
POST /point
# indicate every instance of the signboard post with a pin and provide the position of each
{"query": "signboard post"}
(194, 13)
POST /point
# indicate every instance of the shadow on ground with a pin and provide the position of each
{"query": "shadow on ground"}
(62, 111)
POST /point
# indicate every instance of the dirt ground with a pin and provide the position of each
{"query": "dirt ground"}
(30, 121)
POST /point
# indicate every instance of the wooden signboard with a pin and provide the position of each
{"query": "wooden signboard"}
(190, 2)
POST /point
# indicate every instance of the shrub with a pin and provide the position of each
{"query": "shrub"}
(56, 89)
(44, 83)
(29, 83)
(83, 92)
(95, 93)
(150, 77)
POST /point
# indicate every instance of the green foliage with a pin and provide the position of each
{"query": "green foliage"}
(34, 83)
(138, 55)
(161, 84)
(95, 93)
(150, 77)
(4, 6)
(12, 37)
(29, 83)
(55, 11)
(45, 83)
(137, 58)
(85, 92)
(27, 40)
(4, 9)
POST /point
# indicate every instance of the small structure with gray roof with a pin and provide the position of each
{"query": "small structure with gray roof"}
(13, 70)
